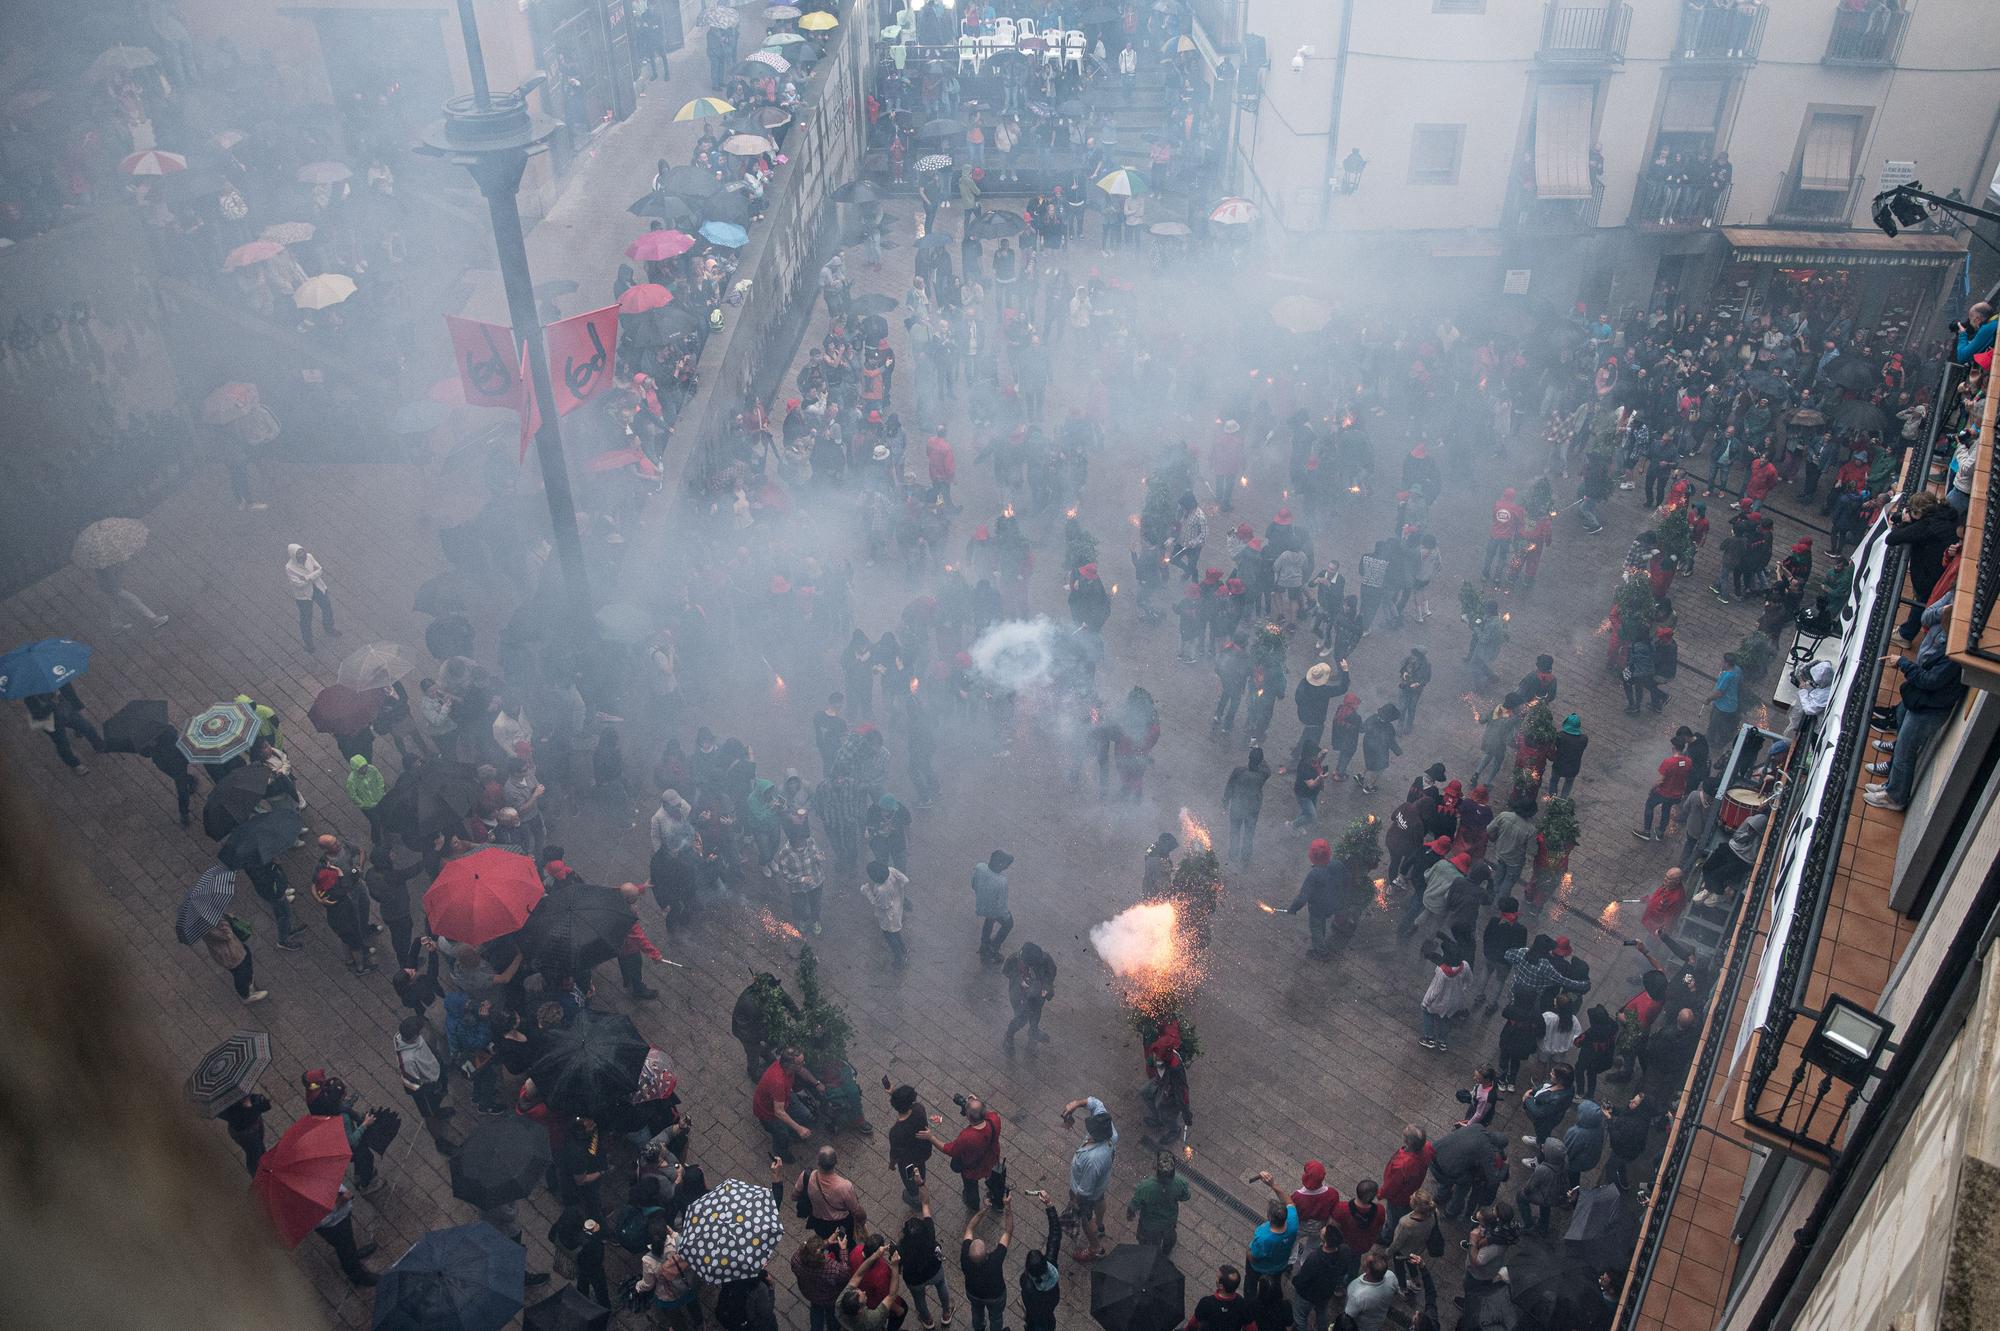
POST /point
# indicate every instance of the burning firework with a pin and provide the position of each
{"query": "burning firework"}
(1267, 908)
(1114, 589)
(1132, 518)
(913, 684)
(777, 687)
(1152, 954)
(774, 927)
(1194, 832)
(1608, 917)
(1070, 512)
(1243, 480)
(1471, 700)
(1354, 489)
(1007, 512)
(1381, 892)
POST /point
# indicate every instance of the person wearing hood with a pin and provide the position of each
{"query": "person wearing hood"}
(1468, 1160)
(1089, 603)
(1584, 1142)
(1378, 745)
(1411, 680)
(308, 583)
(1539, 682)
(1927, 528)
(1158, 871)
(1444, 886)
(1243, 798)
(1265, 689)
(1232, 668)
(1815, 685)
(1596, 1049)
(1314, 698)
(366, 787)
(1503, 933)
(1547, 1186)
(1323, 894)
(1570, 744)
(1489, 634)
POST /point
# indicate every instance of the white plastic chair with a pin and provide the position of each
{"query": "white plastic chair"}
(968, 55)
(1074, 49)
(1025, 27)
(1003, 32)
(1053, 52)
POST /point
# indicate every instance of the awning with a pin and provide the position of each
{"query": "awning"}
(1562, 140)
(1852, 249)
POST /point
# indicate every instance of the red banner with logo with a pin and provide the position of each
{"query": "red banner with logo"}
(582, 352)
(489, 370)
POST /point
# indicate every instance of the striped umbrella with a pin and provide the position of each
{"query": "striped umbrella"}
(1124, 182)
(1233, 212)
(229, 1071)
(226, 730)
(701, 108)
(205, 904)
(153, 162)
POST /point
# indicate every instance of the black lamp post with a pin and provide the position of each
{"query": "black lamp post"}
(493, 135)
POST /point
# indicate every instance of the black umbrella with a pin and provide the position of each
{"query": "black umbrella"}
(430, 798)
(1602, 1230)
(262, 839)
(205, 904)
(135, 727)
(858, 191)
(872, 302)
(239, 793)
(677, 320)
(1859, 417)
(1136, 1287)
(1766, 384)
(942, 128)
(672, 209)
(216, 821)
(1556, 1294)
(230, 1071)
(565, 1310)
(469, 1278)
(1850, 372)
(642, 329)
(935, 240)
(728, 206)
(448, 636)
(693, 183)
(874, 327)
(501, 1160)
(441, 595)
(577, 927)
(997, 226)
(591, 1067)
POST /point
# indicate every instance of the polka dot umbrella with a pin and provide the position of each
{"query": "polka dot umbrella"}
(730, 1232)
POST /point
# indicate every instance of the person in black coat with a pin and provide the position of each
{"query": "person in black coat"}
(1928, 527)
(245, 1120)
(1630, 1131)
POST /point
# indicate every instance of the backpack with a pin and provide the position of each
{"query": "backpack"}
(1666, 659)
(631, 1227)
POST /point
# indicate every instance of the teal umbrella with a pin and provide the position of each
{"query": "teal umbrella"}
(726, 234)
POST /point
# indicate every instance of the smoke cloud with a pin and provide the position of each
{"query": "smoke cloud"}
(1017, 654)
(1141, 942)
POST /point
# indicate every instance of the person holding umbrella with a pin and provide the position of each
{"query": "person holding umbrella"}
(308, 583)
(244, 1119)
(166, 755)
(56, 715)
(226, 949)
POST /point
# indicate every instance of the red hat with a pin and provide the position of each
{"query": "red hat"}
(1562, 948)
(883, 345)
(979, 173)
(1088, 572)
(1462, 862)
(962, 660)
(1243, 531)
(1314, 1173)
(557, 869)
(778, 584)
(1479, 793)
(1319, 852)
(791, 404)
(1439, 844)
(1211, 575)
(1454, 787)
(874, 418)
(1283, 517)
(1799, 547)
(1256, 543)
(1234, 586)
(1420, 451)
(981, 534)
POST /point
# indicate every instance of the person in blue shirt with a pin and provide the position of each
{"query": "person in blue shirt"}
(1270, 1251)
(1090, 1172)
(1975, 334)
(1725, 704)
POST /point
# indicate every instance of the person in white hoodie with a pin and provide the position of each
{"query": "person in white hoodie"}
(308, 583)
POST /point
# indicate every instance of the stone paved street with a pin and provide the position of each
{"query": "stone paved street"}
(1301, 1060)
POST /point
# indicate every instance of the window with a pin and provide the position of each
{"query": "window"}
(1828, 153)
(1434, 153)
(1563, 116)
(1458, 6)
(1691, 116)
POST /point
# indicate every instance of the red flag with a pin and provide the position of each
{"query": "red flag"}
(530, 408)
(488, 369)
(582, 351)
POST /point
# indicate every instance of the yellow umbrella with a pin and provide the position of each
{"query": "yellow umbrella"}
(819, 21)
(703, 107)
(316, 293)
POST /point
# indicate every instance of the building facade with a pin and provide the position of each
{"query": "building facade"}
(1569, 149)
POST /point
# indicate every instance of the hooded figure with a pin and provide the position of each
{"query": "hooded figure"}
(308, 585)
(1584, 1142)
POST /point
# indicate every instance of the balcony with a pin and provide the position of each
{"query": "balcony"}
(1584, 34)
(1975, 637)
(1720, 35)
(1811, 202)
(1527, 212)
(1866, 39)
(1665, 206)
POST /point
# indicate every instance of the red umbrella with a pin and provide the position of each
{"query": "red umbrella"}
(645, 296)
(340, 710)
(298, 1180)
(656, 245)
(483, 896)
(255, 251)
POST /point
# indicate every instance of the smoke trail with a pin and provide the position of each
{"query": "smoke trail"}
(1017, 654)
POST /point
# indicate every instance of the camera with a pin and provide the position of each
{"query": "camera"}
(960, 1101)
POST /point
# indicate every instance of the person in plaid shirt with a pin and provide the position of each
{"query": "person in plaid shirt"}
(802, 867)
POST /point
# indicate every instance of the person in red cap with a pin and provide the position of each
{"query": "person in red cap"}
(1322, 895)
(1508, 521)
(1089, 603)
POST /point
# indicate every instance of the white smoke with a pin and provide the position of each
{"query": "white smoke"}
(1139, 942)
(1016, 654)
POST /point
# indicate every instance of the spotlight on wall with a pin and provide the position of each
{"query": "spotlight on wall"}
(1299, 58)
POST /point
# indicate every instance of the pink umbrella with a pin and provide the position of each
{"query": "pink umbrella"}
(655, 245)
(153, 162)
(645, 296)
(255, 252)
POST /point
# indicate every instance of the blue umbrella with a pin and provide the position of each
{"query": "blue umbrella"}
(469, 1278)
(42, 667)
(726, 234)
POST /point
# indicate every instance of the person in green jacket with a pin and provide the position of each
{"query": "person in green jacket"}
(366, 787)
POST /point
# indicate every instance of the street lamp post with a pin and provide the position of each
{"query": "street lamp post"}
(493, 135)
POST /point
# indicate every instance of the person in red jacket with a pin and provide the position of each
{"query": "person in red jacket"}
(943, 468)
(1665, 906)
(635, 949)
(975, 1153)
(1763, 479)
(1361, 1218)
(1405, 1172)
(1667, 792)
(1508, 519)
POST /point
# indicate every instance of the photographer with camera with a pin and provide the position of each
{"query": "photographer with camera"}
(1975, 333)
(974, 1152)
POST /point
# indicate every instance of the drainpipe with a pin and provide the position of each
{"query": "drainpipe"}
(1333, 116)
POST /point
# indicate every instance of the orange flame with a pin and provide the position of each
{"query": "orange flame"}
(774, 927)
(1070, 512)
(1243, 480)
(1007, 512)
(1194, 832)
(913, 684)
(777, 687)
(1267, 908)
(1114, 589)
(1132, 518)
(1381, 894)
